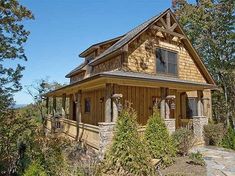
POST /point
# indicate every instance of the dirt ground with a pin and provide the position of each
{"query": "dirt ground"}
(182, 168)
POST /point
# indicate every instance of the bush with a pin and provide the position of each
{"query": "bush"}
(213, 133)
(127, 154)
(184, 140)
(158, 140)
(35, 168)
(197, 158)
(228, 140)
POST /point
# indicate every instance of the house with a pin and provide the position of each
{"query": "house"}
(153, 65)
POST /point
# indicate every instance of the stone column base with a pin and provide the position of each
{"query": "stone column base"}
(170, 124)
(106, 135)
(198, 125)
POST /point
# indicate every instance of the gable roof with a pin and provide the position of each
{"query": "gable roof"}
(128, 37)
(132, 34)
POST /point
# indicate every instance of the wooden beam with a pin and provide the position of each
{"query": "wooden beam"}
(163, 23)
(168, 20)
(172, 28)
(169, 32)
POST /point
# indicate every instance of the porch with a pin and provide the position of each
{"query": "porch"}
(88, 112)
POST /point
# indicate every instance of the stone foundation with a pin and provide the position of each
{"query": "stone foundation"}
(170, 124)
(106, 135)
(198, 124)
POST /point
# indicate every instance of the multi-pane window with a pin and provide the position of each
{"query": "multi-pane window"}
(87, 105)
(191, 107)
(166, 61)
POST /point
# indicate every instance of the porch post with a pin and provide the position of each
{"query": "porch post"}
(163, 113)
(47, 105)
(108, 103)
(199, 103)
(54, 105)
(63, 105)
(79, 95)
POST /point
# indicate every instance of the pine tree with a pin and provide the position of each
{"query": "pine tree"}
(127, 154)
(159, 142)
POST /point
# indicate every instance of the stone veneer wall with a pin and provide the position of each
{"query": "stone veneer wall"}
(170, 124)
(198, 125)
(106, 135)
(111, 64)
(142, 57)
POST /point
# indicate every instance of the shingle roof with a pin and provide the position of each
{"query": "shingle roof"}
(127, 37)
(146, 76)
(75, 70)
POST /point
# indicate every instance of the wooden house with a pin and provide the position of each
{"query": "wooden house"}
(154, 64)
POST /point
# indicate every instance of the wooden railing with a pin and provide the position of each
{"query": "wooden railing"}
(187, 123)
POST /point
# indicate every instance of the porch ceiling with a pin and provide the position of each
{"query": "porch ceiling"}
(132, 79)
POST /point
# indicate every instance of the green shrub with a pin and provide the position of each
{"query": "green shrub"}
(213, 133)
(197, 158)
(184, 140)
(228, 140)
(127, 154)
(35, 168)
(159, 142)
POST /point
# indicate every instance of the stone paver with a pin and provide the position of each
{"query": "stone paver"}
(219, 161)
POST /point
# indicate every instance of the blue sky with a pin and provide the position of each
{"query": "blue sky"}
(64, 28)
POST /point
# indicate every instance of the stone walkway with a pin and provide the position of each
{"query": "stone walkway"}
(219, 161)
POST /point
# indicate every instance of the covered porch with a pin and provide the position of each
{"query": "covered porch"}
(87, 110)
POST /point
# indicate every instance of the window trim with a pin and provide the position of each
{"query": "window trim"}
(177, 63)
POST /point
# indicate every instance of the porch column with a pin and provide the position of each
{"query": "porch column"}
(63, 106)
(108, 103)
(79, 111)
(163, 109)
(47, 105)
(54, 105)
(116, 106)
(199, 103)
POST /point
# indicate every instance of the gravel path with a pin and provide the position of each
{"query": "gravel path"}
(219, 161)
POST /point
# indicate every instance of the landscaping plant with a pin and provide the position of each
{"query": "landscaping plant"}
(213, 133)
(197, 158)
(127, 155)
(184, 140)
(228, 140)
(159, 142)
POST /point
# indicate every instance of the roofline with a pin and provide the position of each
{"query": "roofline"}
(93, 62)
(89, 49)
(108, 74)
(75, 72)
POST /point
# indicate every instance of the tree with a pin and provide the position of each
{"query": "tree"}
(12, 37)
(210, 27)
(37, 90)
(127, 154)
(159, 142)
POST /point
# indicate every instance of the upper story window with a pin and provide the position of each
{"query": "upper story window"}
(166, 61)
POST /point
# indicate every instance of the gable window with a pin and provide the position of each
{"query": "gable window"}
(166, 61)
(87, 105)
(191, 107)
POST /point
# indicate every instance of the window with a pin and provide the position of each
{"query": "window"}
(87, 105)
(166, 61)
(192, 107)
